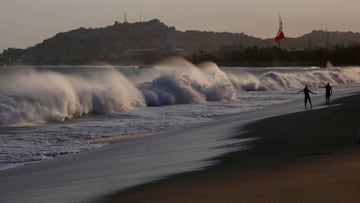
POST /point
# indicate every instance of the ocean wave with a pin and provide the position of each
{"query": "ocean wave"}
(35, 97)
(315, 78)
(180, 82)
(39, 97)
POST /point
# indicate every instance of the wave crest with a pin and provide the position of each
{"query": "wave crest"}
(38, 97)
(180, 82)
(314, 78)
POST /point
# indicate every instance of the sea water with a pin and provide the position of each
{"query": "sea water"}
(49, 111)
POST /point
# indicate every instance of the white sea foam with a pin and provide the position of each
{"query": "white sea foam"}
(38, 97)
(180, 82)
(45, 94)
(34, 97)
(335, 76)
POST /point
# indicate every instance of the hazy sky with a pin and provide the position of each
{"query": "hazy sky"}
(24, 23)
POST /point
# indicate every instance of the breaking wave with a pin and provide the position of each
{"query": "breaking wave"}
(315, 78)
(180, 82)
(42, 96)
(38, 97)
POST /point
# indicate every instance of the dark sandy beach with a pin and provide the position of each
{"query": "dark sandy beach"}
(310, 156)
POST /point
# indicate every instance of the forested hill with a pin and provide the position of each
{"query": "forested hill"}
(144, 42)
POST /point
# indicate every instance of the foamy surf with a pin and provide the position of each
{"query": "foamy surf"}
(37, 97)
(114, 104)
(42, 96)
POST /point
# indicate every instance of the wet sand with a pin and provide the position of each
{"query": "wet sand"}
(310, 156)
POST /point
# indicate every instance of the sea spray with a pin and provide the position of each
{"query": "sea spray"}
(314, 78)
(180, 82)
(177, 81)
(41, 96)
(38, 96)
(31, 97)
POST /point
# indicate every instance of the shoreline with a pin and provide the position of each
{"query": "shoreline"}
(292, 157)
(93, 175)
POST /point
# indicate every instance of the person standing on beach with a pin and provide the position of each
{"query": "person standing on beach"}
(328, 92)
(307, 96)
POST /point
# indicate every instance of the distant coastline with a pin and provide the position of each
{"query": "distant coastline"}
(145, 43)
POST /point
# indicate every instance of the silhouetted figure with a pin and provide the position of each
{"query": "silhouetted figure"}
(307, 96)
(328, 93)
